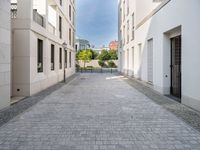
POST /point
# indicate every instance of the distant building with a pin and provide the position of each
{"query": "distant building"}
(81, 44)
(98, 50)
(113, 45)
(105, 48)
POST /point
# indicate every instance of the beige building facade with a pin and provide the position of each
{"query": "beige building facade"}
(159, 45)
(5, 53)
(43, 33)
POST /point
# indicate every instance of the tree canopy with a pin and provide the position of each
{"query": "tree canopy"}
(104, 56)
(85, 56)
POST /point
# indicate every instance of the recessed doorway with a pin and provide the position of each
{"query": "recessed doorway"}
(176, 67)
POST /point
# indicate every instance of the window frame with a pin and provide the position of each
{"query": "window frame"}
(52, 57)
(40, 55)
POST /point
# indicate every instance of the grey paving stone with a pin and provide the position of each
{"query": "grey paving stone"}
(102, 112)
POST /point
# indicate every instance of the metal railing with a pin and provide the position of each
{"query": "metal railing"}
(13, 10)
(38, 18)
(96, 70)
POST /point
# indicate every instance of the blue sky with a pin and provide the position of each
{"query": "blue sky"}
(97, 21)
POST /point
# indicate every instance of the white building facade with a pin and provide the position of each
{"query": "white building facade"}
(5, 53)
(159, 45)
(42, 44)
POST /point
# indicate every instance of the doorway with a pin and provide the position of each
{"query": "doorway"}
(176, 67)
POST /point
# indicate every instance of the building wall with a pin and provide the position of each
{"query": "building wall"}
(113, 45)
(26, 78)
(165, 21)
(5, 54)
(82, 44)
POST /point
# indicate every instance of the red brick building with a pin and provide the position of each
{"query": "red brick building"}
(113, 45)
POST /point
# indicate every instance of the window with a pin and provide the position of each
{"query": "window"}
(60, 2)
(52, 57)
(60, 59)
(120, 39)
(70, 36)
(70, 59)
(124, 35)
(127, 31)
(40, 56)
(60, 26)
(73, 18)
(73, 39)
(133, 26)
(124, 10)
(127, 7)
(133, 58)
(127, 65)
(70, 12)
(120, 17)
(66, 59)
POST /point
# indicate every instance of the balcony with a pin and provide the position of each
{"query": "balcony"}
(38, 18)
(13, 10)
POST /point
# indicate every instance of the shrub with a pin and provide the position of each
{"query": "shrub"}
(102, 64)
(104, 55)
(111, 64)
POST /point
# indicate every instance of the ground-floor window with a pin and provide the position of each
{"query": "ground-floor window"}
(60, 58)
(52, 57)
(66, 59)
(133, 58)
(70, 59)
(40, 55)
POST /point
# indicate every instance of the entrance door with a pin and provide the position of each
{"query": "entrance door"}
(176, 67)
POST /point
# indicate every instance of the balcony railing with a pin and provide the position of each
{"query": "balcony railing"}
(38, 18)
(13, 10)
(13, 13)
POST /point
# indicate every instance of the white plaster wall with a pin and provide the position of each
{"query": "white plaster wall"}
(181, 14)
(122, 52)
(143, 8)
(25, 33)
(5, 54)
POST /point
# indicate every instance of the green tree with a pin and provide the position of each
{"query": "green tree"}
(85, 56)
(94, 54)
(104, 56)
(113, 54)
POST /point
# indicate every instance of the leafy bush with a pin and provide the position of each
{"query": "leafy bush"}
(102, 64)
(113, 54)
(111, 64)
(104, 55)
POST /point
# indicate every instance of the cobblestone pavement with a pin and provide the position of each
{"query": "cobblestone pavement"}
(100, 112)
